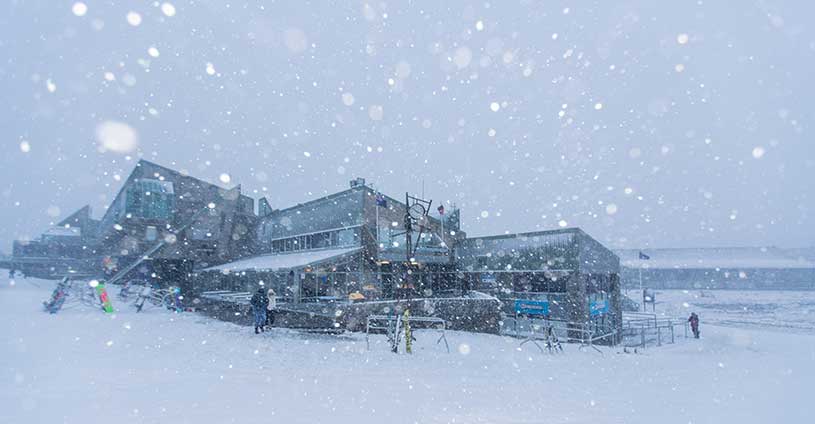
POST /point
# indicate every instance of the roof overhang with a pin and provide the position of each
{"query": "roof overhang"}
(285, 261)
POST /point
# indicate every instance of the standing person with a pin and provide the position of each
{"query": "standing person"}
(258, 303)
(694, 324)
(271, 304)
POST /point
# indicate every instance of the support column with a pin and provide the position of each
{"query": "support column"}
(577, 300)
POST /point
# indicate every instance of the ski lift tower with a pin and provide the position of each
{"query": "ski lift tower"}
(416, 211)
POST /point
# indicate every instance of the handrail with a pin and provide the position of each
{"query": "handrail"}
(653, 327)
(146, 255)
(371, 324)
(584, 333)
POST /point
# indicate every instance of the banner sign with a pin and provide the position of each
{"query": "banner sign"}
(599, 307)
(531, 307)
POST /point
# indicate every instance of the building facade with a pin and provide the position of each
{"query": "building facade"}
(200, 224)
(348, 242)
(576, 275)
(59, 250)
(344, 247)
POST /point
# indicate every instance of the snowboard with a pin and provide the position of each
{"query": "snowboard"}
(176, 293)
(104, 298)
(54, 304)
(408, 334)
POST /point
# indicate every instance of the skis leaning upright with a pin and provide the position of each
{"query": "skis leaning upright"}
(396, 334)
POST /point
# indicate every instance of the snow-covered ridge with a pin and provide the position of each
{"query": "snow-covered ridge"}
(713, 257)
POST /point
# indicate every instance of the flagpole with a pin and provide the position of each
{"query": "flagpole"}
(441, 218)
(376, 205)
(641, 290)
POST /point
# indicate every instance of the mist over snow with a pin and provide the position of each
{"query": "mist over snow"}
(645, 123)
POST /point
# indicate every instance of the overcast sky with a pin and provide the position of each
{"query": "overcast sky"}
(646, 123)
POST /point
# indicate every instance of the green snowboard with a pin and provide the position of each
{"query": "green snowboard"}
(104, 298)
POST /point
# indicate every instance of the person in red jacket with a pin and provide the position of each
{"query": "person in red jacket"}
(694, 324)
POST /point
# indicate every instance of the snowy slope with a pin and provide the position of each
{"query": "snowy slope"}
(82, 366)
(781, 310)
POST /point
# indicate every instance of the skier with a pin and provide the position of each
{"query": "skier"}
(271, 304)
(259, 302)
(11, 274)
(694, 324)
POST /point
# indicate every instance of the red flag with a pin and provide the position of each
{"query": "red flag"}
(441, 209)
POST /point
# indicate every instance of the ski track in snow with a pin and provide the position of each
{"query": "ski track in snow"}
(82, 366)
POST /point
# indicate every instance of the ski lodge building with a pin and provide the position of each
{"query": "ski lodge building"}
(347, 247)
(348, 242)
(575, 274)
(200, 223)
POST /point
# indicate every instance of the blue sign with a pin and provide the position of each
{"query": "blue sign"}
(531, 307)
(599, 307)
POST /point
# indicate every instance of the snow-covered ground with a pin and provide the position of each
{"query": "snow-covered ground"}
(82, 366)
(787, 311)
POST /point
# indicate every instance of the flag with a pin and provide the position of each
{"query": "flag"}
(643, 256)
(381, 201)
(441, 209)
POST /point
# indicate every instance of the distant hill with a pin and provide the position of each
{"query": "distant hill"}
(719, 268)
(805, 253)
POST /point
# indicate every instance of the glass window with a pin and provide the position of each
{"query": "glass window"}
(150, 233)
(150, 199)
(347, 237)
(321, 240)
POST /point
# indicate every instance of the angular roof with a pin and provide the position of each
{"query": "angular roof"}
(77, 218)
(561, 249)
(164, 170)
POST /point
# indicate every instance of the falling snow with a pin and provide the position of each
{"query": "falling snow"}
(79, 9)
(658, 129)
(133, 18)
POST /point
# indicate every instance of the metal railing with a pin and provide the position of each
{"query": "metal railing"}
(228, 296)
(641, 329)
(585, 334)
(389, 325)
